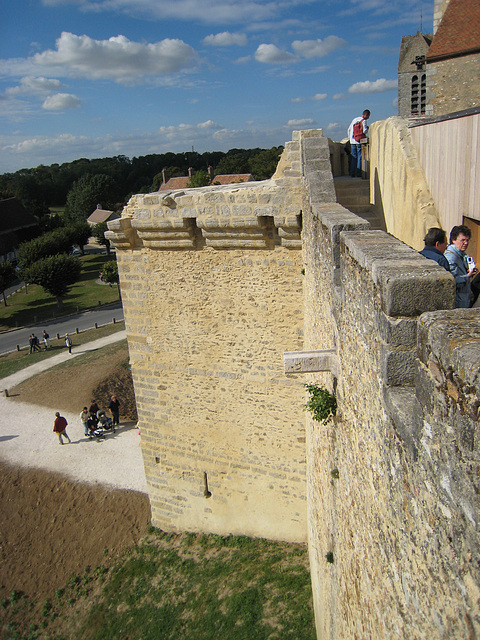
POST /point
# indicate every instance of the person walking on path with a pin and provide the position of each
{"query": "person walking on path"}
(459, 238)
(34, 344)
(60, 426)
(114, 407)
(46, 340)
(84, 417)
(68, 343)
(358, 130)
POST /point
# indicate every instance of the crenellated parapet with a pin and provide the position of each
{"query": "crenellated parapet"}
(259, 215)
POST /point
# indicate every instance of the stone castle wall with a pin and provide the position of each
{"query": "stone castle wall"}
(405, 201)
(393, 480)
(217, 285)
(454, 84)
(212, 289)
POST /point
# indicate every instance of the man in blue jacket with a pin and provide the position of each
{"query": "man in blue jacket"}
(457, 258)
(435, 245)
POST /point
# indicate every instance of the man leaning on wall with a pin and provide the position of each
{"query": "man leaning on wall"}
(460, 266)
(435, 245)
(355, 135)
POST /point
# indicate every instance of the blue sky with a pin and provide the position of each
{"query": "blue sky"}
(97, 78)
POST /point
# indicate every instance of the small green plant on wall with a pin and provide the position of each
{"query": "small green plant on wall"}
(322, 404)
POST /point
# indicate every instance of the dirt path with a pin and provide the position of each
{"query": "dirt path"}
(63, 507)
(27, 439)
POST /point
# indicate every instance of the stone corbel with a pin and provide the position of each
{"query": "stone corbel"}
(311, 361)
(121, 234)
(237, 233)
(289, 230)
(167, 233)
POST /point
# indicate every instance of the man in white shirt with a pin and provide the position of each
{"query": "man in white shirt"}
(355, 168)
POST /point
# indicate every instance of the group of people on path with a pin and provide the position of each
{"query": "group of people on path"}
(89, 417)
(34, 342)
(453, 257)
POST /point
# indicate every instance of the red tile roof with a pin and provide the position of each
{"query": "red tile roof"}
(458, 32)
(182, 182)
(175, 183)
(231, 178)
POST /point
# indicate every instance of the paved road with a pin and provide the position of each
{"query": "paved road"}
(80, 321)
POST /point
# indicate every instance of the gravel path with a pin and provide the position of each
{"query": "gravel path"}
(27, 438)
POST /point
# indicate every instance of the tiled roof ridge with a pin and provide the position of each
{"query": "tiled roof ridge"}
(458, 32)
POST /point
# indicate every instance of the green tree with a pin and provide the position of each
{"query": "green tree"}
(56, 274)
(98, 232)
(87, 192)
(7, 277)
(109, 274)
(199, 179)
(264, 163)
(47, 245)
(79, 233)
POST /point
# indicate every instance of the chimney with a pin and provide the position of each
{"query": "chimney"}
(190, 172)
(210, 171)
(99, 206)
(164, 175)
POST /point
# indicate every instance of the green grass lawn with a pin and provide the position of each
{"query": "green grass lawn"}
(172, 587)
(35, 305)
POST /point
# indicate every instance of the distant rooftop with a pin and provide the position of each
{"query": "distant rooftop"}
(182, 182)
(458, 33)
(101, 215)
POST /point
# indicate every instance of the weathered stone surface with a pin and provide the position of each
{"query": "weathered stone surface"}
(392, 482)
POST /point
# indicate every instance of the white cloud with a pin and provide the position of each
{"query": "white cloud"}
(226, 39)
(339, 96)
(209, 124)
(271, 54)
(376, 86)
(204, 11)
(297, 100)
(319, 96)
(318, 48)
(35, 86)
(117, 58)
(61, 101)
(300, 123)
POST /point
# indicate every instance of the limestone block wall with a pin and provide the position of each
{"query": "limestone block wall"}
(393, 506)
(398, 187)
(454, 84)
(212, 289)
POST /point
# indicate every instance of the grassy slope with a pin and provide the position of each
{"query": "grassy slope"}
(188, 587)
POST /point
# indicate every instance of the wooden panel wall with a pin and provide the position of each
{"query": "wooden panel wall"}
(449, 153)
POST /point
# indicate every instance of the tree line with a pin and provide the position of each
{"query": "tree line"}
(117, 178)
(80, 186)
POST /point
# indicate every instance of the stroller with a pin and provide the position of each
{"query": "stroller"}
(100, 425)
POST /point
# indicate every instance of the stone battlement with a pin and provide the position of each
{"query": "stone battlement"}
(217, 284)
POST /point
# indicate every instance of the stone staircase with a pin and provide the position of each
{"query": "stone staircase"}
(354, 195)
